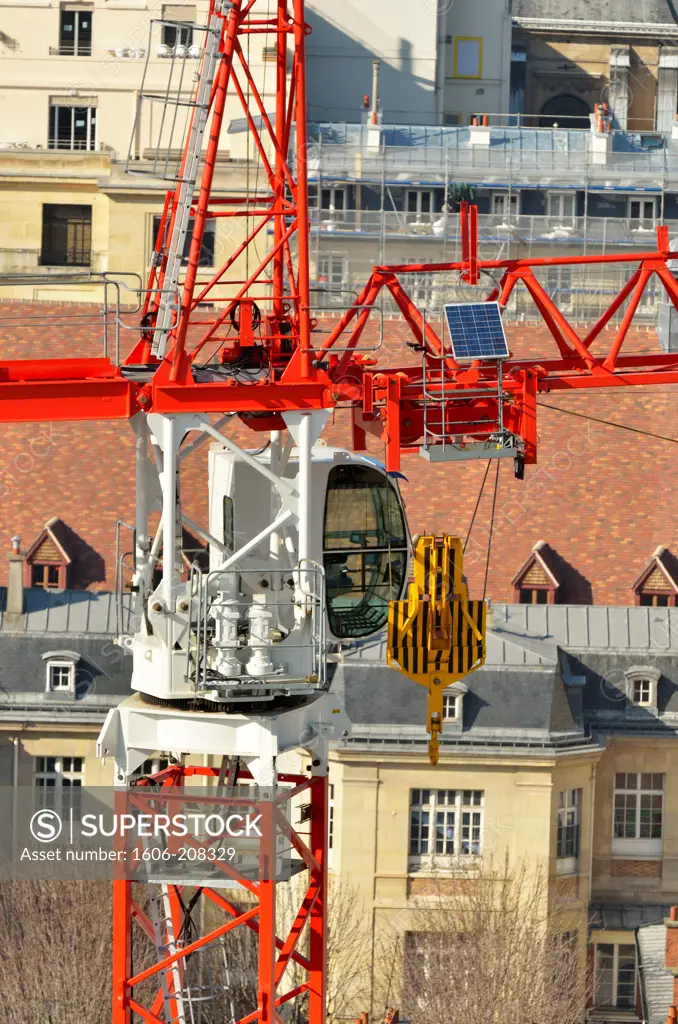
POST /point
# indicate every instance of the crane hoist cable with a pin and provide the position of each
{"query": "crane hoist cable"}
(475, 510)
(489, 539)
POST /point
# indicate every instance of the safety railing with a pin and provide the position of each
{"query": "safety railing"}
(106, 312)
(227, 627)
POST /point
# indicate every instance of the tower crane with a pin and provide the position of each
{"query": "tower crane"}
(308, 543)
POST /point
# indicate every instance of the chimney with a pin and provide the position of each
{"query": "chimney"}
(15, 579)
(376, 66)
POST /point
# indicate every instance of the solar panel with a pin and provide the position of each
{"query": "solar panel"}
(476, 330)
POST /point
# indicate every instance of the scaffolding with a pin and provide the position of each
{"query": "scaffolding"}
(364, 211)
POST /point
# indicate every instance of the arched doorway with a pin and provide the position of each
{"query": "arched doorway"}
(566, 112)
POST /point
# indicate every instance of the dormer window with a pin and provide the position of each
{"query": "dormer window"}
(642, 689)
(536, 581)
(61, 676)
(450, 707)
(453, 702)
(60, 671)
(48, 560)
(657, 585)
(641, 686)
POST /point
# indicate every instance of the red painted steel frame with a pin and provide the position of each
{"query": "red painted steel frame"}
(275, 951)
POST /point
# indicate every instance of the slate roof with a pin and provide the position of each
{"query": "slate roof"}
(654, 12)
(553, 677)
(599, 495)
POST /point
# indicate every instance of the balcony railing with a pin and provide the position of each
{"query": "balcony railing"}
(71, 50)
(510, 230)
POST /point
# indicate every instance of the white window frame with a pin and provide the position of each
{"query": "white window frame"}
(568, 816)
(63, 775)
(649, 676)
(451, 706)
(615, 973)
(60, 664)
(328, 286)
(642, 222)
(555, 208)
(92, 127)
(460, 815)
(336, 211)
(76, 29)
(509, 210)
(637, 845)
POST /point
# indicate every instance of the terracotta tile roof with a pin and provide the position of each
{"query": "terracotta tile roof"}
(602, 497)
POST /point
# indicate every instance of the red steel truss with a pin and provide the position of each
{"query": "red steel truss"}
(245, 904)
(301, 374)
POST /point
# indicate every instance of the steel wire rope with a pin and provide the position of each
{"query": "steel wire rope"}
(475, 510)
(489, 539)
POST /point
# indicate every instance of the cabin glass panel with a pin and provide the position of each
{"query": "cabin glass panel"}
(364, 550)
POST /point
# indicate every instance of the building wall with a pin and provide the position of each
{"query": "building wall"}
(346, 40)
(579, 66)
(416, 49)
(638, 876)
(489, 22)
(30, 75)
(123, 209)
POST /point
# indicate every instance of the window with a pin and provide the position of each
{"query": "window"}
(418, 203)
(452, 120)
(421, 287)
(654, 600)
(178, 34)
(567, 843)
(364, 550)
(58, 782)
(66, 236)
(534, 595)
(561, 207)
(60, 676)
(468, 57)
(151, 766)
(207, 248)
(72, 127)
(75, 33)
(638, 805)
(332, 203)
(641, 691)
(446, 822)
(616, 975)
(642, 214)
(46, 576)
(505, 206)
(559, 287)
(332, 271)
(451, 702)
(330, 818)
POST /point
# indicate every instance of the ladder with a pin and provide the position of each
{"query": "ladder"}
(171, 979)
(184, 199)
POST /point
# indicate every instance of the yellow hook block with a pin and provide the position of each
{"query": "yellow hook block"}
(437, 636)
